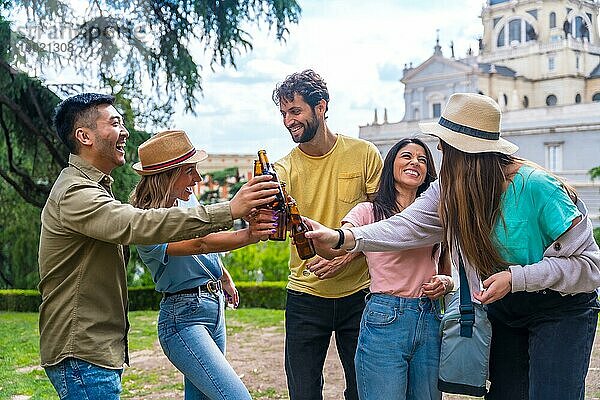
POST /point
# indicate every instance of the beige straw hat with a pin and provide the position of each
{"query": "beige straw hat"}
(167, 150)
(470, 123)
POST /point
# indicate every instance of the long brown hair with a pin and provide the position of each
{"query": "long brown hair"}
(471, 189)
(152, 191)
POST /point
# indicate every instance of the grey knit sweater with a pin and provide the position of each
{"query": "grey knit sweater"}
(570, 265)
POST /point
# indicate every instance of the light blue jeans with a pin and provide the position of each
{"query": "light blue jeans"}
(398, 349)
(75, 379)
(191, 331)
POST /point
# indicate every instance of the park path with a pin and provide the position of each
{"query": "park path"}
(257, 356)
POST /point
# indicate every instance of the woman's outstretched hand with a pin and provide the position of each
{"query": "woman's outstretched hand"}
(323, 239)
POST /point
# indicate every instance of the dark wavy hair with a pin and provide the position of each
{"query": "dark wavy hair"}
(307, 84)
(384, 204)
(76, 111)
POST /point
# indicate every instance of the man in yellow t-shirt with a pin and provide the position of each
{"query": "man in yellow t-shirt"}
(327, 174)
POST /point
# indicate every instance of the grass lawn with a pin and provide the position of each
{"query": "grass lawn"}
(19, 349)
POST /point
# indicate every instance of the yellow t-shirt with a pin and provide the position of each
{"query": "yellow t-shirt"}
(326, 188)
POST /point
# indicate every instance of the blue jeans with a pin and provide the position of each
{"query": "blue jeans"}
(309, 323)
(398, 350)
(75, 379)
(541, 345)
(191, 331)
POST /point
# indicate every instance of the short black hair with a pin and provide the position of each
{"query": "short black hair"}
(80, 109)
(307, 84)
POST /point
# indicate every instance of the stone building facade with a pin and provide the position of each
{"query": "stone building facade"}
(540, 60)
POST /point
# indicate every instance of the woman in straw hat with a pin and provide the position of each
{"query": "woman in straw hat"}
(523, 232)
(194, 282)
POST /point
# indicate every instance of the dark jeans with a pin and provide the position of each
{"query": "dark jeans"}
(309, 322)
(541, 345)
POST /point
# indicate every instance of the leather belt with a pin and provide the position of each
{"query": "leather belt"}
(212, 287)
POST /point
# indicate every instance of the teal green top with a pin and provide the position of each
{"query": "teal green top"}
(536, 210)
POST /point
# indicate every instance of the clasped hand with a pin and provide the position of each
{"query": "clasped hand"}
(495, 287)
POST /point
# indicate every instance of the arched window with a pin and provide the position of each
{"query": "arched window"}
(578, 27)
(596, 97)
(577, 98)
(505, 98)
(500, 41)
(551, 100)
(525, 102)
(516, 31)
(552, 19)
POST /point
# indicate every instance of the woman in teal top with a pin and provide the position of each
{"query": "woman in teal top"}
(527, 243)
(534, 210)
(194, 282)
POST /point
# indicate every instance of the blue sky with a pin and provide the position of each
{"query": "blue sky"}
(358, 47)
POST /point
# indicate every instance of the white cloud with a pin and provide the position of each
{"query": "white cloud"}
(355, 45)
(359, 47)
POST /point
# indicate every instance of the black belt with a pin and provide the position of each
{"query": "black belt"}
(213, 287)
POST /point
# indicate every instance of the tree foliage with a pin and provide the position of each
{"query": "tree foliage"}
(147, 53)
(166, 42)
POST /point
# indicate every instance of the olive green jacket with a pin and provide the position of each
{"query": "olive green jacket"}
(83, 274)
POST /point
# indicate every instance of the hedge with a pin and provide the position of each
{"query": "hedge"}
(261, 295)
(20, 300)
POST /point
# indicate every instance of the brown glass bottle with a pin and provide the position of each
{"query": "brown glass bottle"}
(282, 219)
(257, 168)
(267, 169)
(298, 228)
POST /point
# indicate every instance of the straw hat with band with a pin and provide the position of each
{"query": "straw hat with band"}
(167, 150)
(470, 123)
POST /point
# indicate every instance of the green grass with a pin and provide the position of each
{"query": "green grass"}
(19, 353)
(19, 349)
(240, 319)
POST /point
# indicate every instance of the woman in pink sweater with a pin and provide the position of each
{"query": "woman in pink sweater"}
(398, 346)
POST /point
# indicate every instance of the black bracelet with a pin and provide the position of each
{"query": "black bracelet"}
(340, 240)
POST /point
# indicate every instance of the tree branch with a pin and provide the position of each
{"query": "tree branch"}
(9, 151)
(3, 276)
(25, 194)
(28, 124)
(26, 182)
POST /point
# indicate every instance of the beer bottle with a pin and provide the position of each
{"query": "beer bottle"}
(257, 168)
(262, 166)
(298, 228)
(267, 169)
(282, 219)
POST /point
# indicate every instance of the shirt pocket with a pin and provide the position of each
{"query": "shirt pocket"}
(350, 187)
(513, 241)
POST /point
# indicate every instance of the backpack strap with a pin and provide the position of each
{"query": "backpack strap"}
(467, 310)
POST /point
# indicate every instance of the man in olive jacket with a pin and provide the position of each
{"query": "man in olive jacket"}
(83, 315)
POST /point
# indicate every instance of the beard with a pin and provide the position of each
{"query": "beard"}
(310, 130)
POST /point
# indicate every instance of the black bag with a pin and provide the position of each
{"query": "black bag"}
(465, 344)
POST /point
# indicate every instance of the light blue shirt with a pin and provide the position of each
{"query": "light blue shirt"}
(536, 211)
(175, 273)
